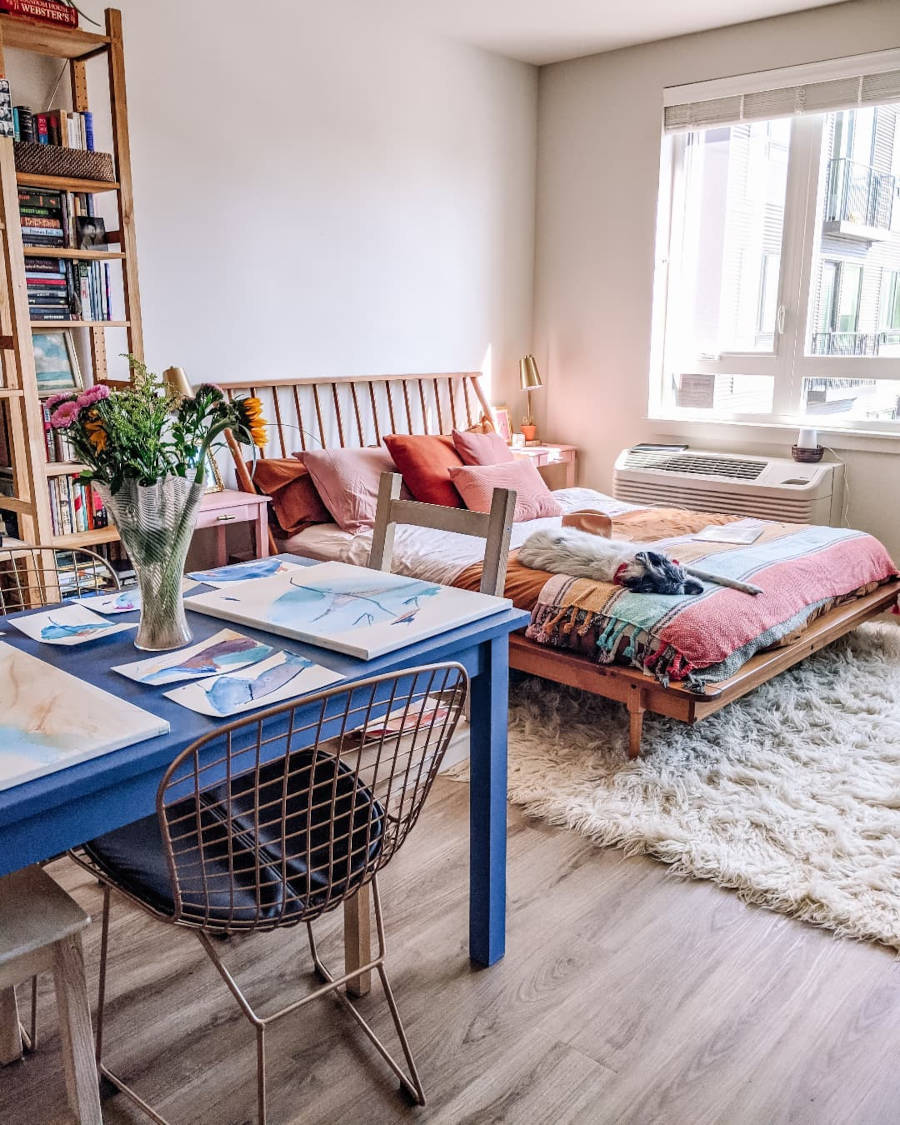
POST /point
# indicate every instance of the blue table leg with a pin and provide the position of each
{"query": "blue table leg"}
(487, 805)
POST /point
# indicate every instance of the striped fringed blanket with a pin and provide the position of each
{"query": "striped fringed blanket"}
(803, 571)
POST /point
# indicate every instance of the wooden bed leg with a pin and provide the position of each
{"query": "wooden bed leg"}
(636, 710)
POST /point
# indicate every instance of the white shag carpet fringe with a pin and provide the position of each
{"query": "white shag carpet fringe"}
(791, 796)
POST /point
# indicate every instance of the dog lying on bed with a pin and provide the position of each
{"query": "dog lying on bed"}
(583, 547)
(586, 555)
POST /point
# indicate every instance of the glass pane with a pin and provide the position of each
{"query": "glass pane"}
(857, 250)
(725, 273)
(724, 394)
(853, 400)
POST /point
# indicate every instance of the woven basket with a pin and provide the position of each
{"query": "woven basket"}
(70, 163)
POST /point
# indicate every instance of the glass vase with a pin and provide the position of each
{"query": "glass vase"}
(155, 523)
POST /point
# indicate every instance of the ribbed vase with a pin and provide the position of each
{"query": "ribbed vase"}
(155, 523)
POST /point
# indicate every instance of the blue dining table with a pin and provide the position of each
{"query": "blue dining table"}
(43, 817)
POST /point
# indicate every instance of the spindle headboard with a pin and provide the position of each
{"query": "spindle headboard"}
(359, 410)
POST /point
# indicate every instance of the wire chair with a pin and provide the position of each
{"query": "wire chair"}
(274, 820)
(34, 576)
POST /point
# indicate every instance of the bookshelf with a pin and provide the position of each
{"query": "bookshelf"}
(33, 475)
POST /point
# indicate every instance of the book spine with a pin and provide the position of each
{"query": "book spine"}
(88, 120)
(17, 125)
(42, 130)
(56, 266)
(108, 286)
(26, 124)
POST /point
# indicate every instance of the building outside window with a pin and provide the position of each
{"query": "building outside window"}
(780, 262)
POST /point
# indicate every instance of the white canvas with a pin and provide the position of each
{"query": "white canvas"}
(225, 651)
(50, 720)
(283, 676)
(350, 609)
(242, 572)
(68, 625)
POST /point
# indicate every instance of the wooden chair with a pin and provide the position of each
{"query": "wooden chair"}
(495, 527)
(40, 931)
(255, 830)
(33, 576)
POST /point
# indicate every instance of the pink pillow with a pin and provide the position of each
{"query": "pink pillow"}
(347, 480)
(481, 449)
(476, 484)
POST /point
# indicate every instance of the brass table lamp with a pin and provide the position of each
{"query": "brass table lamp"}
(531, 381)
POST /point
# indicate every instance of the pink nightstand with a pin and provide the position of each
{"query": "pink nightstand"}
(549, 453)
(222, 509)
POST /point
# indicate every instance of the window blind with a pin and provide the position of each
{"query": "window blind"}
(785, 101)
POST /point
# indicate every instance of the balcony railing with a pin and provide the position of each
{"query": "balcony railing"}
(859, 194)
(854, 343)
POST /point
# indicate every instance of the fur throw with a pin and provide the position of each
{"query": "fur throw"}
(582, 555)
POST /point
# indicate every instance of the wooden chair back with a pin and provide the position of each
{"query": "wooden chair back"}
(495, 527)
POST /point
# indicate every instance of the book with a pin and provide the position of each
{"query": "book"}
(55, 266)
(47, 11)
(42, 129)
(26, 124)
(729, 533)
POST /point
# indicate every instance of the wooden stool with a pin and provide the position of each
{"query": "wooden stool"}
(40, 931)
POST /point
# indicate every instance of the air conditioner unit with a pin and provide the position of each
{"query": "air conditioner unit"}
(771, 488)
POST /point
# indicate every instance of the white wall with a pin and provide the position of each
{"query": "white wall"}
(598, 175)
(319, 192)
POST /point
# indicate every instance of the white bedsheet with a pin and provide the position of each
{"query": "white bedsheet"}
(437, 556)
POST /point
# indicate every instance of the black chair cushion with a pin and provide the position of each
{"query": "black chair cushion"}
(134, 857)
(219, 889)
(332, 824)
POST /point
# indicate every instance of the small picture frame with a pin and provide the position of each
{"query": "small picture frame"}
(90, 232)
(56, 362)
(502, 423)
(214, 482)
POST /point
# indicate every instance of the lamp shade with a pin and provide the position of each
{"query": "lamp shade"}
(529, 374)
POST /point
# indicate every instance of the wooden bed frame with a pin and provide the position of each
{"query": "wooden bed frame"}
(359, 411)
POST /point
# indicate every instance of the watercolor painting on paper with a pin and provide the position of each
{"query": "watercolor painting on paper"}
(243, 572)
(68, 625)
(226, 651)
(283, 676)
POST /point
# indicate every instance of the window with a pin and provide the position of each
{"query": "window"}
(778, 293)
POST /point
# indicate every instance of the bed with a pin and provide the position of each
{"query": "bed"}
(684, 658)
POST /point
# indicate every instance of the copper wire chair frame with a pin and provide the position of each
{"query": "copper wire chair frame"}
(42, 592)
(409, 1080)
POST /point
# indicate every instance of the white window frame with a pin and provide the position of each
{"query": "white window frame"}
(788, 362)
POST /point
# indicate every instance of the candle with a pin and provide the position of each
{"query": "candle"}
(807, 439)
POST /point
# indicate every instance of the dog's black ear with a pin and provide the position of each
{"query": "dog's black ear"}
(692, 586)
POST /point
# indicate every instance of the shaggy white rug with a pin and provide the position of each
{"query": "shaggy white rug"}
(791, 796)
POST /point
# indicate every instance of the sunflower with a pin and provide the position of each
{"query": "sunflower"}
(97, 435)
(252, 410)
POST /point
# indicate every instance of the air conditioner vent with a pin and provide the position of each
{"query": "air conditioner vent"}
(731, 468)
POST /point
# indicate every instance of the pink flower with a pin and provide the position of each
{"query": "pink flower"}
(55, 400)
(64, 415)
(92, 396)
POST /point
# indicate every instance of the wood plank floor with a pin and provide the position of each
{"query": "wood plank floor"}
(627, 996)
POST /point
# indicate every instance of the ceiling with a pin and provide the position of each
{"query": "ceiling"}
(545, 31)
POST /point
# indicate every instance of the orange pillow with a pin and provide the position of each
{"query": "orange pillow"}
(425, 464)
(295, 502)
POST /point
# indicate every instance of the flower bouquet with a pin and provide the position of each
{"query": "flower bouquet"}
(145, 449)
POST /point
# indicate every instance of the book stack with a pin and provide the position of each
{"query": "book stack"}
(63, 290)
(41, 215)
(74, 506)
(58, 127)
